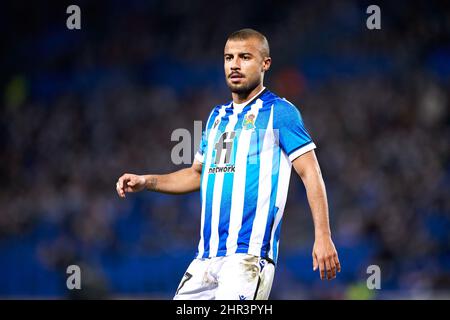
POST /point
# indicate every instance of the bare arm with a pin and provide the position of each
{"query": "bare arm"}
(178, 182)
(324, 252)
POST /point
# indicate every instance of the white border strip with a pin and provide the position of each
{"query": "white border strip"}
(199, 157)
(294, 155)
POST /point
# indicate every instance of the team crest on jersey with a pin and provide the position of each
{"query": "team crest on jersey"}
(249, 122)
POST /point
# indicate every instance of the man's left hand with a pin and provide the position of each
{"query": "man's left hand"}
(325, 257)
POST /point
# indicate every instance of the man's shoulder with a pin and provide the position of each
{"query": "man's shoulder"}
(271, 97)
(284, 111)
(281, 104)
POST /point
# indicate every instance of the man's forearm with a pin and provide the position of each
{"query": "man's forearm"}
(178, 182)
(317, 199)
(324, 252)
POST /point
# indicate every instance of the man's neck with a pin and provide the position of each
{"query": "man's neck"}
(244, 97)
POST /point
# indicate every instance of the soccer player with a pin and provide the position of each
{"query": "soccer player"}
(242, 169)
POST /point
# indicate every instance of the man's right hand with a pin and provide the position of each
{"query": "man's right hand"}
(130, 183)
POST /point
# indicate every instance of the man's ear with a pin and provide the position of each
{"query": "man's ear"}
(266, 64)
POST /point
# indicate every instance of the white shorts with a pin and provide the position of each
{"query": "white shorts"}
(236, 277)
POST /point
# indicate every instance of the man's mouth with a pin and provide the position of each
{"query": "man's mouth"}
(236, 77)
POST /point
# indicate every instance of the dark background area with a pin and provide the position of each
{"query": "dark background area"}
(81, 107)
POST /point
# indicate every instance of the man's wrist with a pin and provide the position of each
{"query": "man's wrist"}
(150, 182)
(323, 234)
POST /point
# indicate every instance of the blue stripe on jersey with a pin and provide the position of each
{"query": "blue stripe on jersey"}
(252, 180)
(205, 136)
(224, 220)
(273, 211)
(210, 185)
(251, 194)
(208, 127)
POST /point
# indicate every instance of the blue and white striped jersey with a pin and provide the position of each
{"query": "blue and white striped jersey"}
(246, 151)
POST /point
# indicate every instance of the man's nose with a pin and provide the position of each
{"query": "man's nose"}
(235, 64)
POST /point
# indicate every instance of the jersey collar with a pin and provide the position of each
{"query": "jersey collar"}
(241, 106)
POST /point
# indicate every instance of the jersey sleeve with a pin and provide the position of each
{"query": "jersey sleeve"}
(294, 139)
(200, 154)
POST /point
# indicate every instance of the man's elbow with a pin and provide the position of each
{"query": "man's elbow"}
(310, 172)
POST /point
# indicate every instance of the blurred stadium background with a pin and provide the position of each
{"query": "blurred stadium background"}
(79, 108)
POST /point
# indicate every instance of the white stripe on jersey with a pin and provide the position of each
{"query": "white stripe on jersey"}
(283, 186)
(211, 140)
(264, 189)
(217, 195)
(238, 196)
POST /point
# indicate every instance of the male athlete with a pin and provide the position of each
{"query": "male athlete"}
(242, 169)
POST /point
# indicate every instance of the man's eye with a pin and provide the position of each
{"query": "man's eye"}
(227, 58)
(246, 57)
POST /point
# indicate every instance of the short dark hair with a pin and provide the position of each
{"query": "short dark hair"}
(248, 33)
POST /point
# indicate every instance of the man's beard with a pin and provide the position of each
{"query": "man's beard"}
(241, 89)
